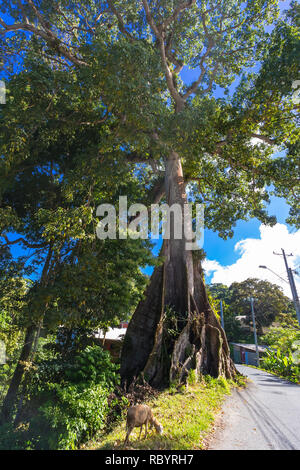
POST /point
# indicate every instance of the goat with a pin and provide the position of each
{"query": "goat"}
(138, 416)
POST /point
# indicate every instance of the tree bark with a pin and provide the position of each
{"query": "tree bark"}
(27, 353)
(174, 328)
(25, 381)
(10, 398)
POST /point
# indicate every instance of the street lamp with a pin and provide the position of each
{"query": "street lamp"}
(266, 267)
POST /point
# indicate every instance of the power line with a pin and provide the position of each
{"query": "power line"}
(265, 267)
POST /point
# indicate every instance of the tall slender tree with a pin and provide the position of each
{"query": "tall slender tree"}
(52, 178)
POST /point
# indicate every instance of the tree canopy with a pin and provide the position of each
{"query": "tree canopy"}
(129, 58)
(53, 178)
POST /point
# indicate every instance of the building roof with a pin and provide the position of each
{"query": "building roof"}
(251, 347)
(116, 334)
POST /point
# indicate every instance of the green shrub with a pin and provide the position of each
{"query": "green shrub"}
(208, 379)
(13, 439)
(93, 365)
(217, 382)
(282, 338)
(224, 384)
(67, 402)
(69, 415)
(192, 378)
(6, 372)
(282, 364)
(283, 358)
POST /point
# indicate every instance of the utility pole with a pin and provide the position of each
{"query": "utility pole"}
(292, 283)
(295, 294)
(254, 330)
(222, 316)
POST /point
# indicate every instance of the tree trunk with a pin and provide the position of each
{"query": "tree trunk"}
(11, 396)
(27, 353)
(19, 407)
(174, 329)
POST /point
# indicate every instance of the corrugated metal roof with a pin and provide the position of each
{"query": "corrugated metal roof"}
(251, 347)
(116, 334)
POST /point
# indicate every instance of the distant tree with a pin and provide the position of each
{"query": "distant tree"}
(232, 326)
(270, 302)
(270, 305)
(220, 292)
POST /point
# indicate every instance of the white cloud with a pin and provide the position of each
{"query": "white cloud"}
(259, 251)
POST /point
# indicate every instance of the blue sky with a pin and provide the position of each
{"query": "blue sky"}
(223, 250)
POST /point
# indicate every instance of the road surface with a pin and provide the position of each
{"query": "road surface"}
(264, 416)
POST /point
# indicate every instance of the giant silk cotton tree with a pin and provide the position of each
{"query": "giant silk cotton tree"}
(137, 52)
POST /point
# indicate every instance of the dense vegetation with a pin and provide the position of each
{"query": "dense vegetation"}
(283, 357)
(66, 402)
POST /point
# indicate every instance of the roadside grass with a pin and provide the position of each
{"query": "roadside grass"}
(276, 374)
(187, 416)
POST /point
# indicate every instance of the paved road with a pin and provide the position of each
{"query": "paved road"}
(264, 416)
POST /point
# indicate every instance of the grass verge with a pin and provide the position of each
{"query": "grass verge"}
(187, 416)
(287, 378)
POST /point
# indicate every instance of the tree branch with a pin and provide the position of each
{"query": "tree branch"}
(156, 194)
(44, 23)
(120, 21)
(180, 7)
(49, 37)
(25, 18)
(160, 36)
(22, 240)
(134, 157)
(264, 138)
(203, 70)
(150, 19)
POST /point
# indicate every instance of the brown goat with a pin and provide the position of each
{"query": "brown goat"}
(138, 416)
